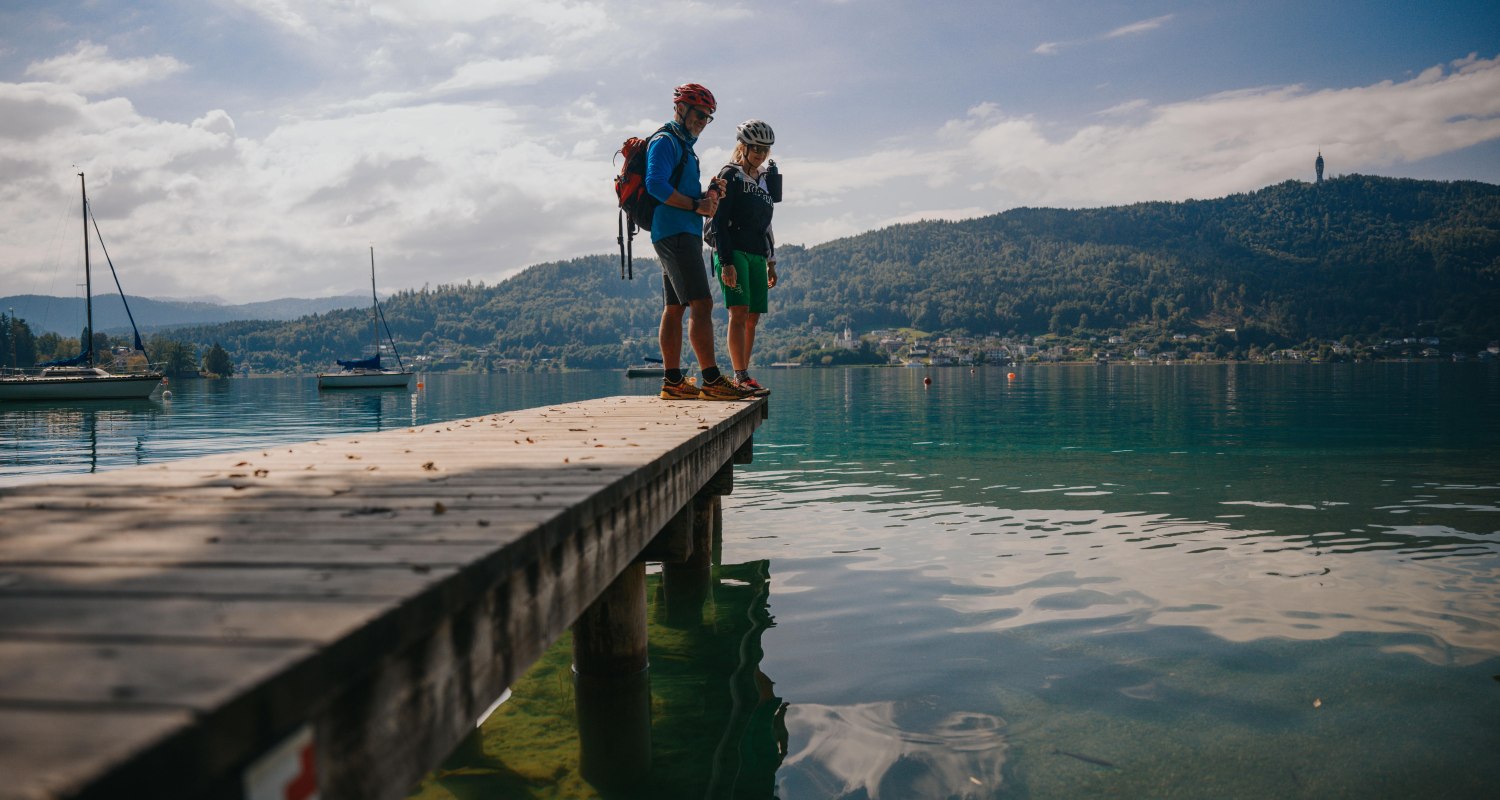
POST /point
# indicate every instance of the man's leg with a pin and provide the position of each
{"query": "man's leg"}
(701, 333)
(670, 336)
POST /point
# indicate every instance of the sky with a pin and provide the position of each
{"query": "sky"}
(247, 150)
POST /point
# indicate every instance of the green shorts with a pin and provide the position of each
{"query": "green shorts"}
(750, 275)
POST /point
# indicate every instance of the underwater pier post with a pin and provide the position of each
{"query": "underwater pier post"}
(612, 683)
(686, 582)
(611, 665)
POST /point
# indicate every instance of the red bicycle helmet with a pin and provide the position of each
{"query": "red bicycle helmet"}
(694, 94)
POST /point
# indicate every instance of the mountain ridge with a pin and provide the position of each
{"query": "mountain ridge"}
(65, 315)
(1355, 257)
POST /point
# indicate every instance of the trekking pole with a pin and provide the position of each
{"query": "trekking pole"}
(620, 240)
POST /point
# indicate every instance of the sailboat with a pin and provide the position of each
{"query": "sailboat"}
(367, 373)
(80, 377)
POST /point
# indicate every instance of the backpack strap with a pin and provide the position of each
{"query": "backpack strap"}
(627, 227)
(682, 153)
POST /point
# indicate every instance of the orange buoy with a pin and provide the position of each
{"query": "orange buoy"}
(1010, 376)
(419, 384)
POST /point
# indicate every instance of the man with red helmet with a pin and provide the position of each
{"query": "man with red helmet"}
(677, 235)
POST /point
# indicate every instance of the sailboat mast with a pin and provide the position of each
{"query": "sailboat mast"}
(374, 304)
(88, 280)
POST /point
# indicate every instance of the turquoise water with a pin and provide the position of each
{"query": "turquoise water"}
(1141, 582)
(1132, 581)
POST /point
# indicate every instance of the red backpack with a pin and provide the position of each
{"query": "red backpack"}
(637, 206)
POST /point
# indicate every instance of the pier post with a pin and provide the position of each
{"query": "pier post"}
(686, 583)
(612, 681)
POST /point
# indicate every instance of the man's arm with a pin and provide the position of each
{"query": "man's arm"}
(661, 161)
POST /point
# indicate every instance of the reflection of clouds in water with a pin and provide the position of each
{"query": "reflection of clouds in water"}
(1121, 571)
(865, 751)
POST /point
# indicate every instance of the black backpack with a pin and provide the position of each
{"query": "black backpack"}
(637, 206)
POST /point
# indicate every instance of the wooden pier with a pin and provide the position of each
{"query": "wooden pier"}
(329, 619)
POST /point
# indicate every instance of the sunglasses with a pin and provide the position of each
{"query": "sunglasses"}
(758, 148)
(701, 114)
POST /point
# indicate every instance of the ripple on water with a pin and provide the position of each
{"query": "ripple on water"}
(892, 750)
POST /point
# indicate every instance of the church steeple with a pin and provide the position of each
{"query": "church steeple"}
(1319, 166)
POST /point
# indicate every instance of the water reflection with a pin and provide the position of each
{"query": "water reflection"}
(1139, 582)
(877, 750)
(717, 726)
(95, 431)
(218, 416)
(1024, 565)
(369, 409)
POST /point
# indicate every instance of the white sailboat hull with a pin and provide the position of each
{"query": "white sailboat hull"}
(364, 379)
(72, 387)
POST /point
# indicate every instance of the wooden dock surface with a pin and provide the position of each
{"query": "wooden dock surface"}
(162, 628)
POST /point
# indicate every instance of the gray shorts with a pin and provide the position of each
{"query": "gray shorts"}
(683, 276)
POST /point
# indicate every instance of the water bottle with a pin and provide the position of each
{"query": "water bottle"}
(773, 181)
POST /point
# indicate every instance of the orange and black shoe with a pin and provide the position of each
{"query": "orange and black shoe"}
(685, 389)
(722, 388)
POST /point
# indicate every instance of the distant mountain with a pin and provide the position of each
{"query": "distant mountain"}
(65, 315)
(1356, 256)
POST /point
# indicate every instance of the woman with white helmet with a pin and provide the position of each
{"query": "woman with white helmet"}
(745, 249)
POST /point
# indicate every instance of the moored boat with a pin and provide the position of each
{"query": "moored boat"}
(648, 368)
(369, 373)
(79, 377)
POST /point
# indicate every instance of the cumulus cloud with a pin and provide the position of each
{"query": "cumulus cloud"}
(560, 20)
(90, 70)
(1208, 147)
(481, 148)
(498, 72)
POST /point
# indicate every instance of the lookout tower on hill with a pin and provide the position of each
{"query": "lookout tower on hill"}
(1318, 165)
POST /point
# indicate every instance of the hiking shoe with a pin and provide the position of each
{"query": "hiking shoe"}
(754, 386)
(685, 389)
(723, 388)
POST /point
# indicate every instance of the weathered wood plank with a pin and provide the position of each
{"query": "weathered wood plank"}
(382, 588)
(157, 580)
(145, 676)
(46, 753)
(182, 619)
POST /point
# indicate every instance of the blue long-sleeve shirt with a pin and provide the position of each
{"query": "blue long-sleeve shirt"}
(661, 159)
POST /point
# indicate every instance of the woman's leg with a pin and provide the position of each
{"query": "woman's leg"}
(739, 339)
(752, 319)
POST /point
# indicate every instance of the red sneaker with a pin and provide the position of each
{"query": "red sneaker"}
(754, 386)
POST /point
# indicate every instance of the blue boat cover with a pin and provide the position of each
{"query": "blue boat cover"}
(78, 360)
(373, 362)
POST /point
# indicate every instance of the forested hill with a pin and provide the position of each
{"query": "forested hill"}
(1356, 255)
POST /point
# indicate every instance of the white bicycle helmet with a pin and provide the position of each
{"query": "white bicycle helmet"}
(753, 131)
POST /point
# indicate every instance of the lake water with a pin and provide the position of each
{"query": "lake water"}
(1227, 581)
